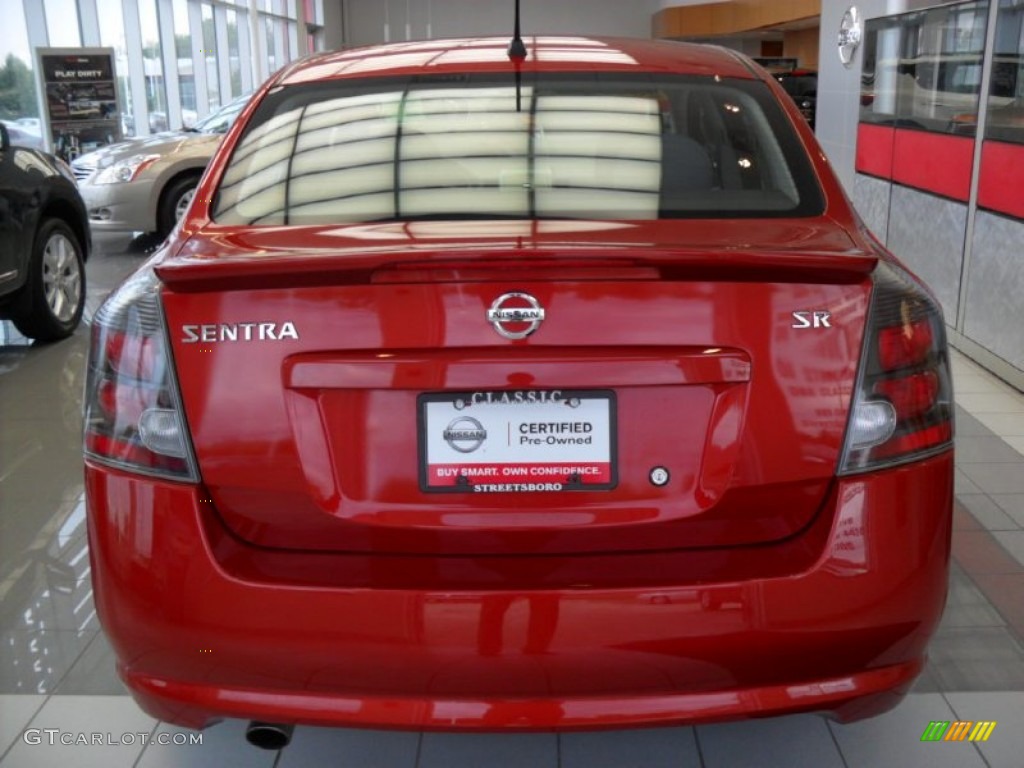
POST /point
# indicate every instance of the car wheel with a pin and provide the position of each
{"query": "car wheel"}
(174, 202)
(50, 304)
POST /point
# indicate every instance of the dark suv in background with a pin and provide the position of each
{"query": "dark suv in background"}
(44, 242)
(802, 86)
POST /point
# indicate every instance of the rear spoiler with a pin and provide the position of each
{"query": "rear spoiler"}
(453, 263)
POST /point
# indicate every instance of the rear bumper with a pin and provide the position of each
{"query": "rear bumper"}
(196, 642)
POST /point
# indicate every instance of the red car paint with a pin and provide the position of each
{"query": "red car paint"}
(306, 574)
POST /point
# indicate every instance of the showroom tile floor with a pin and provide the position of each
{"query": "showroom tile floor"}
(56, 669)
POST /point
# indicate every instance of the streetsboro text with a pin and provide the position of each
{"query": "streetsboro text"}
(512, 487)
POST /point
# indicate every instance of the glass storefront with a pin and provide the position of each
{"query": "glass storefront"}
(210, 59)
(152, 63)
(62, 24)
(235, 36)
(942, 194)
(18, 90)
(923, 70)
(112, 36)
(183, 56)
(1006, 94)
(191, 56)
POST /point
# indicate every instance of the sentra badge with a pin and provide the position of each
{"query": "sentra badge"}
(217, 332)
(515, 315)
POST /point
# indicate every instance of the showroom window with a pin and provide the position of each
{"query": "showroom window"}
(108, 13)
(271, 43)
(923, 70)
(279, 38)
(18, 98)
(183, 55)
(176, 60)
(1006, 95)
(152, 62)
(234, 54)
(210, 59)
(314, 10)
(62, 23)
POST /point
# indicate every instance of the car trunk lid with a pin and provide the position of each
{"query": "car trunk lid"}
(355, 395)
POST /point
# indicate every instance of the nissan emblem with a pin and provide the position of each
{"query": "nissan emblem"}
(515, 315)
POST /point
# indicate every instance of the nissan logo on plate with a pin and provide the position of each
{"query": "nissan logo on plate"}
(515, 315)
(465, 434)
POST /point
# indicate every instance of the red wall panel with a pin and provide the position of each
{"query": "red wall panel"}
(934, 162)
(1001, 187)
(874, 149)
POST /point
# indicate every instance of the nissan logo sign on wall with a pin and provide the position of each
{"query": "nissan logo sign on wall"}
(851, 32)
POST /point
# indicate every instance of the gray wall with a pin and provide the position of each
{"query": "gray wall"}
(839, 86)
(334, 24)
(995, 312)
(925, 231)
(364, 22)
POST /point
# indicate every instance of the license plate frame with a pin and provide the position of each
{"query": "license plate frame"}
(580, 425)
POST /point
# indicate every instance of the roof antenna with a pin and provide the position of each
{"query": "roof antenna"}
(516, 48)
(517, 55)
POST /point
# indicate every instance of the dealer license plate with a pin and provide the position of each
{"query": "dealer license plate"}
(517, 441)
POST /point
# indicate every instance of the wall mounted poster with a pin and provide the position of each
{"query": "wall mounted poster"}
(82, 108)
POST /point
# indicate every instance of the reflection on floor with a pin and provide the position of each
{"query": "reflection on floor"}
(57, 668)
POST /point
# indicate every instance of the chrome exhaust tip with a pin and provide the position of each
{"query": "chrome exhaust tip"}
(269, 735)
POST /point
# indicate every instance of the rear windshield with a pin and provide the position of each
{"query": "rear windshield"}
(602, 146)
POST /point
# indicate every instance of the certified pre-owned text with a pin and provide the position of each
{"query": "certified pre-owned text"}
(556, 433)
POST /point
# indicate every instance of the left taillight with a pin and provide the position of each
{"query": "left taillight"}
(133, 415)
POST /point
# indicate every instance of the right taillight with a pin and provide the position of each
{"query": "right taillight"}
(133, 415)
(902, 408)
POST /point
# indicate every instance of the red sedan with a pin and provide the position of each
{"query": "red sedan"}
(478, 392)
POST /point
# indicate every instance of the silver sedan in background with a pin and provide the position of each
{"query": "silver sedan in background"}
(146, 184)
